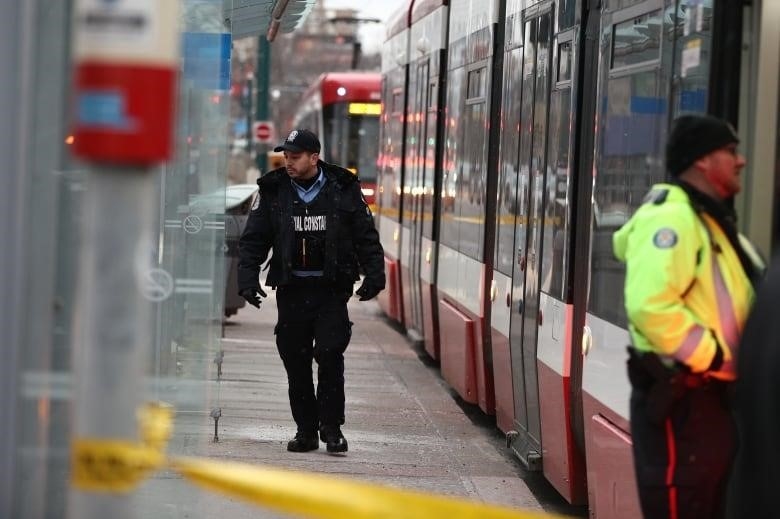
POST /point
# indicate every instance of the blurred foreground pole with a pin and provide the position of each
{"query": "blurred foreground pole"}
(114, 319)
(125, 70)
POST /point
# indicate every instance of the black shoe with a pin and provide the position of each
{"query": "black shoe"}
(334, 440)
(303, 442)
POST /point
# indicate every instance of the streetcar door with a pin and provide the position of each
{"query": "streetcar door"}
(531, 168)
(416, 144)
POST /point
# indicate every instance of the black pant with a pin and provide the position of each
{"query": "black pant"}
(682, 464)
(313, 324)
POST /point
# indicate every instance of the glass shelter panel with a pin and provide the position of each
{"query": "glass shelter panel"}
(186, 289)
(44, 367)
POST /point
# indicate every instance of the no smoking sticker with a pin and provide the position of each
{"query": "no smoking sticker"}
(156, 285)
(193, 224)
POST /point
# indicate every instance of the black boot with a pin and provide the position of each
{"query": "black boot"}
(334, 440)
(304, 442)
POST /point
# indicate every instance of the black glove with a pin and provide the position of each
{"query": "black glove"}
(251, 295)
(367, 291)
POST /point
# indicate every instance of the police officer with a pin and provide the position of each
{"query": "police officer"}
(689, 286)
(314, 217)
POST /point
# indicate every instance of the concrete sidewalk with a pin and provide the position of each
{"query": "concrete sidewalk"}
(404, 425)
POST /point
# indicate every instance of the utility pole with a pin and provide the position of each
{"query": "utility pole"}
(263, 80)
(121, 133)
(115, 319)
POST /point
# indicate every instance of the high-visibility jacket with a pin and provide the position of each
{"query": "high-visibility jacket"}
(686, 292)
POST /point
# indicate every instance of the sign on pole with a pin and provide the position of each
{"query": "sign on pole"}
(264, 132)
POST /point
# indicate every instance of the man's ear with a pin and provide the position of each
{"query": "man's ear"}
(702, 163)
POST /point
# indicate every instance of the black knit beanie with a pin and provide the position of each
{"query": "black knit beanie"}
(694, 136)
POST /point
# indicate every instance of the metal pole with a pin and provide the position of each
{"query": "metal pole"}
(250, 135)
(263, 73)
(15, 59)
(276, 19)
(114, 319)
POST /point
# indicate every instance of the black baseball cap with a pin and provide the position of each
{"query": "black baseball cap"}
(300, 140)
(694, 136)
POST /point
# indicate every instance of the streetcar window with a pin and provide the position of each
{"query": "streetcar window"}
(351, 137)
(556, 217)
(566, 14)
(564, 61)
(477, 83)
(398, 102)
(637, 40)
(629, 161)
(514, 30)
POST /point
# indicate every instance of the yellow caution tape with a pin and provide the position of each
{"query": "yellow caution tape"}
(100, 465)
(155, 421)
(326, 497)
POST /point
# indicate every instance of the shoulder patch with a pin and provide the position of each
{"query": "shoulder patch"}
(665, 238)
(270, 181)
(656, 196)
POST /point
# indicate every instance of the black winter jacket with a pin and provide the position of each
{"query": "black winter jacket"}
(755, 474)
(351, 241)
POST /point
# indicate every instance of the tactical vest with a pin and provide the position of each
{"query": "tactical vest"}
(310, 222)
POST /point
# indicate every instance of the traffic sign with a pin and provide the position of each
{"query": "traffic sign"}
(264, 132)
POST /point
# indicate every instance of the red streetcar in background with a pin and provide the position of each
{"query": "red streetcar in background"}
(343, 108)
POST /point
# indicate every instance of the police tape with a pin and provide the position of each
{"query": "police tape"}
(100, 465)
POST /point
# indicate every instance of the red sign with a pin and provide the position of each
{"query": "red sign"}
(125, 74)
(264, 132)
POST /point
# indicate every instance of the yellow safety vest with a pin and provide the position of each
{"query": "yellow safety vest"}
(686, 292)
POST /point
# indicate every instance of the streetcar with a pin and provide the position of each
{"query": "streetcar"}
(344, 108)
(516, 136)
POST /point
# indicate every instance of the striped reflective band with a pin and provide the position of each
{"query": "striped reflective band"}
(689, 345)
(728, 320)
(729, 325)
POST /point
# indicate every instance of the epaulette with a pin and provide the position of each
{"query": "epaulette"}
(656, 196)
(341, 175)
(270, 181)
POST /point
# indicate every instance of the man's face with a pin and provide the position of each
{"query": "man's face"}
(722, 168)
(301, 165)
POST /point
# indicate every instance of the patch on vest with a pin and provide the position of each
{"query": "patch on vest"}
(665, 238)
(310, 223)
(256, 203)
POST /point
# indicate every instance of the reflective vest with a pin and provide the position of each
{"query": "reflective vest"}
(686, 293)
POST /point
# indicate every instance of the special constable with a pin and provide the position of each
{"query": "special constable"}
(314, 217)
(689, 286)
